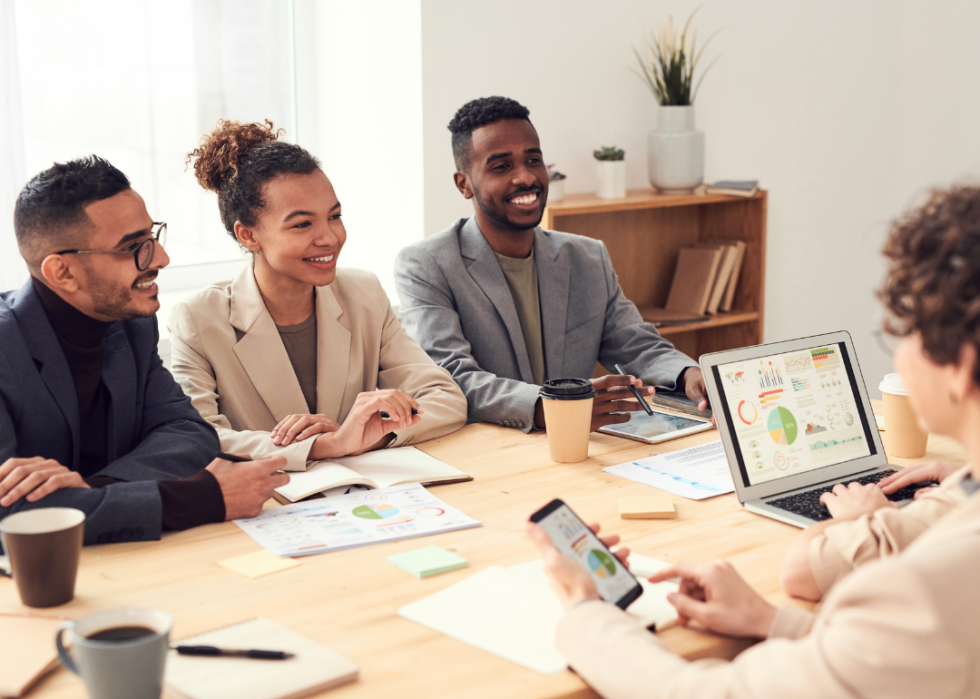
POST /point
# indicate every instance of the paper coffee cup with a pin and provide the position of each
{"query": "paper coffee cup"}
(568, 418)
(903, 437)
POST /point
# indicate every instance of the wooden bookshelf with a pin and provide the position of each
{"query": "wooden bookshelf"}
(643, 233)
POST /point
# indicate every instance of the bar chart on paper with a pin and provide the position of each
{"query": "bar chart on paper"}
(697, 473)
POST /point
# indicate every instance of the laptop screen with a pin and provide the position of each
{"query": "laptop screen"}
(794, 412)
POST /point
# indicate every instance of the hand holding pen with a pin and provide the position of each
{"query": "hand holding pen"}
(635, 391)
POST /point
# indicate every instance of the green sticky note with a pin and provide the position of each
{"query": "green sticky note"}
(431, 560)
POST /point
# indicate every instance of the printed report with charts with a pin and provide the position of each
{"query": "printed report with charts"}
(356, 519)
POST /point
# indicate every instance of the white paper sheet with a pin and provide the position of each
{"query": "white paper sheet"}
(514, 614)
(357, 519)
(697, 473)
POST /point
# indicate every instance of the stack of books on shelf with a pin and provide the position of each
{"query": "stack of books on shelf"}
(704, 283)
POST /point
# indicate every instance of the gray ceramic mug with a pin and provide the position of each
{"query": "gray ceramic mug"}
(119, 654)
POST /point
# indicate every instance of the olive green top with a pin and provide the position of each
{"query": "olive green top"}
(522, 278)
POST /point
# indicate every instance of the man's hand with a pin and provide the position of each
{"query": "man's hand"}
(246, 486)
(716, 596)
(694, 387)
(568, 579)
(614, 401)
(854, 499)
(364, 427)
(933, 471)
(34, 478)
(296, 428)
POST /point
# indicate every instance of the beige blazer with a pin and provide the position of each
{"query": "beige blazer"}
(844, 546)
(906, 626)
(228, 357)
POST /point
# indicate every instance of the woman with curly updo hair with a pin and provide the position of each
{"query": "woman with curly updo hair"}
(903, 626)
(294, 356)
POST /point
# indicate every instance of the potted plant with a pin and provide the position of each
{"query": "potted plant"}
(556, 185)
(675, 147)
(612, 172)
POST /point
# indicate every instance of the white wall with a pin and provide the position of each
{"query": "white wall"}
(844, 111)
(367, 87)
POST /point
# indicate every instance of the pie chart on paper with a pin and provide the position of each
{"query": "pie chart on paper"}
(375, 511)
(782, 426)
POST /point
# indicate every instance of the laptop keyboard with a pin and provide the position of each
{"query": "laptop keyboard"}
(808, 502)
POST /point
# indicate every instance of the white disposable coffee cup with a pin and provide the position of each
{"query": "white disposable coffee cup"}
(568, 418)
(903, 437)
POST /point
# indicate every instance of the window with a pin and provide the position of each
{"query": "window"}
(138, 82)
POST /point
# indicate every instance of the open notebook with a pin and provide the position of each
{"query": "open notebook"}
(513, 613)
(314, 669)
(376, 469)
(27, 651)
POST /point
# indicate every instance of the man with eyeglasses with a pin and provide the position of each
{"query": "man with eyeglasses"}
(89, 416)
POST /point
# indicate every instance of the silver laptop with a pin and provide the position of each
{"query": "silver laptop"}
(795, 420)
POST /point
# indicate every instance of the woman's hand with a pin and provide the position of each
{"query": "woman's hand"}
(933, 471)
(854, 499)
(568, 579)
(716, 596)
(296, 428)
(364, 426)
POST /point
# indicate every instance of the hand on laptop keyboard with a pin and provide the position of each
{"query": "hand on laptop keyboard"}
(808, 502)
(854, 499)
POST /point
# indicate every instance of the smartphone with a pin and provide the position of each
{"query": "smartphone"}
(576, 541)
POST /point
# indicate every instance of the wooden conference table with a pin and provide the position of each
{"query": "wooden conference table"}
(348, 600)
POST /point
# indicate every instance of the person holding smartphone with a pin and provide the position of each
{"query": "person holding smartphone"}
(905, 626)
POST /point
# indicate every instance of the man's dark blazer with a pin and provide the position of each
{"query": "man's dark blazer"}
(153, 432)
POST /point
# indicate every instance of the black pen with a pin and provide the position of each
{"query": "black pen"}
(231, 457)
(228, 653)
(634, 389)
(386, 416)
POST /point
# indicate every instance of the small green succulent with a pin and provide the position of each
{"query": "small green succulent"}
(609, 153)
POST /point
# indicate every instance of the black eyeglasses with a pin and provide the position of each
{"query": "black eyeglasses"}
(142, 252)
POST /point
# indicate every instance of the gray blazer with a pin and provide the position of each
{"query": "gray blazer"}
(154, 432)
(458, 307)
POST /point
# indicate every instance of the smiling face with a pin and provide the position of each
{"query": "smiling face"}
(506, 176)
(299, 233)
(110, 287)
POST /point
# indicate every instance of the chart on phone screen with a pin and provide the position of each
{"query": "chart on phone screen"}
(793, 412)
(576, 541)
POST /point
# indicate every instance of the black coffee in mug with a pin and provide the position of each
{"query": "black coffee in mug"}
(121, 634)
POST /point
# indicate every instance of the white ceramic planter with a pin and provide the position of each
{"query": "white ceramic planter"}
(676, 151)
(556, 190)
(612, 179)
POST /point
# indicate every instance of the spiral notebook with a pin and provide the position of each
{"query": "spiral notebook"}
(314, 669)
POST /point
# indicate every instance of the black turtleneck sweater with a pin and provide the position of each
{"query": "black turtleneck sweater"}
(186, 503)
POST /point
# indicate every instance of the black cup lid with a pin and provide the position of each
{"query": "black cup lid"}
(567, 389)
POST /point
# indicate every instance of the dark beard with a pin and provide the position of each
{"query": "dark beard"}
(499, 217)
(112, 300)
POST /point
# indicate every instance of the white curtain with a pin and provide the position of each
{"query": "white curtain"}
(13, 271)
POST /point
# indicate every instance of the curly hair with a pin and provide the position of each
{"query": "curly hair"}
(236, 160)
(933, 283)
(50, 209)
(477, 113)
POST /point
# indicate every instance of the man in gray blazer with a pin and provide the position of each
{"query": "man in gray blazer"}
(504, 305)
(89, 417)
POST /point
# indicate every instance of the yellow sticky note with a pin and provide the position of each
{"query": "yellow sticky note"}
(255, 565)
(655, 506)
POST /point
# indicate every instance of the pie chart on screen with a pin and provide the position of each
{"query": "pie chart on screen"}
(601, 563)
(782, 426)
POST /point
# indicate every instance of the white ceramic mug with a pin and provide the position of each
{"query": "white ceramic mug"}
(118, 669)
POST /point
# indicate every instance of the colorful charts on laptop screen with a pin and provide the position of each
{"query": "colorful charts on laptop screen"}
(793, 412)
